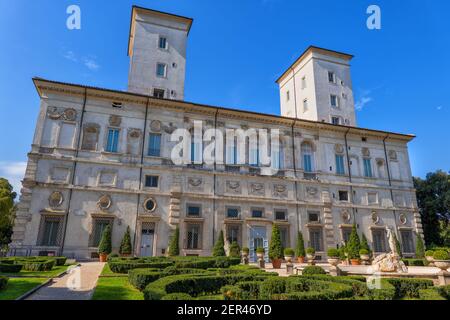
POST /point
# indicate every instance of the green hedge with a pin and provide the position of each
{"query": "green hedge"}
(3, 282)
(59, 261)
(124, 267)
(10, 268)
(414, 262)
(405, 287)
(310, 270)
(444, 291)
(431, 294)
(37, 265)
(177, 296)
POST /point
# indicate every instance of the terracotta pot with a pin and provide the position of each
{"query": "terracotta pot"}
(355, 262)
(276, 263)
(333, 261)
(442, 264)
(301, 259)
(103, 257)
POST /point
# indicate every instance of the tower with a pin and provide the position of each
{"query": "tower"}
(157, 51)
(318, 87)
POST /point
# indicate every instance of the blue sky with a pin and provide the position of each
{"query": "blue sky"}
(236, 50)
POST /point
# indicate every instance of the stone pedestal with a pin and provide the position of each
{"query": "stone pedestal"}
(289, 268)
(311, 262)
(335, 271)
(244, 259)
(261, 263)
(444, 278)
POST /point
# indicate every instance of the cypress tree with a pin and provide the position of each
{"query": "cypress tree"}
(235, 250)
(275, 249)
(174, 247)
(125, 246)
(219, 250)
(364, 244)
(105, 245)
(353, 245)
(300, 249)
(420, 248)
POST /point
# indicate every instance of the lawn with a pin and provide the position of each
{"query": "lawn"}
(19, 286)
(106, 272)
(38, 274)
(116, 288)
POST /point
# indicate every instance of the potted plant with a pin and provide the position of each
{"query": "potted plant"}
(333, 256)
(310, 253)
(245, 251)
(260, 252)
(275, 249)
(364, 255)
(105, 246)
(441, 259)
(429, 256)
(353, 247)
(289, 254)
(235, 250)
(125, 246)
(300, 249)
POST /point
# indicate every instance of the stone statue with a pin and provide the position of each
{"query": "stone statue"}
(389, 262)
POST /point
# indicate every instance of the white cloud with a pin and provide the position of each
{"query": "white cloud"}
(88, 61)
(70, 55)
(91, 64)
(14, 172)
(362, 101)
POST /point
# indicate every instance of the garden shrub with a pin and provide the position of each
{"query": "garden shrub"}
(37, 265)
(10, 268)
(444, 291)
(440, 255)
(219, 250)
(271, 287)
(309, 270)
(300, 248)
(125, 246)
(353, 245)
(385, 292)
(177, 296)
(365, 245)
(333, 253)
(420, 247)
(124, 267)
(140, 278)
(357, 283)
(105, 246)
(174, 245)
(431, 294)
(235, 250)
(414, 262)
(275, 248)
(59, 261)
(3, 282)
(405, 287)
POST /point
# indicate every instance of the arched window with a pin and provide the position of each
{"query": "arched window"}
(307, 157)
(90, 138)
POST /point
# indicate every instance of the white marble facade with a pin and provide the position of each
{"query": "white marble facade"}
(74, 186)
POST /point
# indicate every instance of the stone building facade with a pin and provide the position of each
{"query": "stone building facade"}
(103, 157)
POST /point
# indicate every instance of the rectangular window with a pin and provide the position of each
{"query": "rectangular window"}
(66, 135)
(151, 181)
(304, 83)
(284, 235)
(334, 100)
(316, 239)
(193, 236)
(280, 215)
(196, 151)
(367, 168)
(193, 211)
(331, 77)
(335, 120)
(162, 43)
(340, 169)
(307, 163)
(113, 140)
(257, 213)
(305, 105)
(314, 217)
(343, 195)
(232, 213)
(51, 233)
(154, 145)
(253, 155)
(233, 234)
(379, 240)
(158, 93)
(346, 232)
(372, 198)
(232, 152)
(161, 69)
(99, 226)
(407, 241)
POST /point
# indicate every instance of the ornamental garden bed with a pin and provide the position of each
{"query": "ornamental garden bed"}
(46, 267)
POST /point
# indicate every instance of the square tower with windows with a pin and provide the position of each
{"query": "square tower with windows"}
(157, 51)
(318, 87)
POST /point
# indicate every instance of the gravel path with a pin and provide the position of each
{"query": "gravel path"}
(78, 284)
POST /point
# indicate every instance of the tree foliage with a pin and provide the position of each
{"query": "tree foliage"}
(219, 250)
(174, 245)
(365, 244)
(275, 248)
(354, 244)
(7, 210)
(420, 248)
(125, 246)
(235, 250)
(300, 248)
(105, 245)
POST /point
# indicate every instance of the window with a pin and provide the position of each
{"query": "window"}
(232, 152)
(257, 213)
(316, 239)
(150, 205)
(314, 217)
(161, 69)
(90, 138)
(196, 150)
(284, 235)
(335, 120)
(50, 231)
(277, 158)
(379, 240)
(113, 140)
(233, 234)
(287, 95)
(158, 93)
(66, 135)
(118, 105)
(334, 100)
(340, 169)
(280, 215)
(154, 145)
(151, 181)
(331, 77)
(193, 236)
(307, 157)
(343, 195)
(372, 198)
(305, 105)
(367, 168)
(304, 83)
(253, 154)
(193, 211)
(99, 226)
(407, 241)
(233, 213)
(162, 43)
(346, 232)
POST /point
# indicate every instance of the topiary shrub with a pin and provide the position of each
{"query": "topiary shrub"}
(174, 246)
(311, 251)
(219, 250)
(275, 248)
(440, 255)
(420, 247)
(363, 252)
(260, 250)
(414, 262)
(353, 245)
(409, 288)
(235, 250)
(365, 244)
(333, 253)
(59, 261)
(125, 246)
(300, 248)
(177, 296)
(36, 265)
(124, 267)
(310, 270)
(289, 252)
(10, 268)
(105, 246)
(3, 282)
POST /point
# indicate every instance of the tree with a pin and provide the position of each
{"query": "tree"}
(300, 249)
(444, 233)
(353, 245)
(275, 248)
(398, 247)
(433, 199)
(174, 245)
(7, 211)
(105, 246)
(235, 250)
(219, 250)
(420, 248)
(364, 244)
(125, 246)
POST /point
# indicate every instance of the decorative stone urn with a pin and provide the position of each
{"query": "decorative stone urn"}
(365, 258)
(430, 261)
(288, 259)
(310, 258)
(244, 256)
(260, 255)
(333, 261)
(442, 264)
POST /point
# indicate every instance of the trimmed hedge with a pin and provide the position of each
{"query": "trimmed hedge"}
(202, 263)
(177, 296)
(310, 270)
(414, 262)
(36, 265)
(10, 268)
(431, 294)
(59, 261)
(3, 282)
(124, 267)
(444, 291)
(405, 287)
